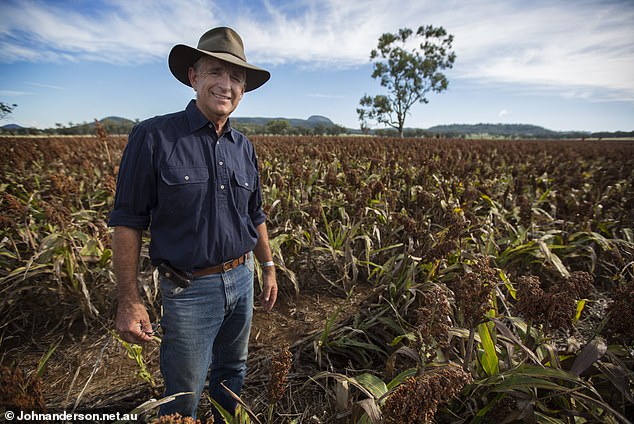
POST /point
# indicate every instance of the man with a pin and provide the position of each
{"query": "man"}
(193, 180)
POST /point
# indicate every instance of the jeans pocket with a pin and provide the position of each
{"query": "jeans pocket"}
(250, 263)
(169, 289)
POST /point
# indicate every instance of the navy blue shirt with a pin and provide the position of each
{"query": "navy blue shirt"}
(199, 194)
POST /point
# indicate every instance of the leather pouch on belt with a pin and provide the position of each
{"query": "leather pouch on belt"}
(180, 278)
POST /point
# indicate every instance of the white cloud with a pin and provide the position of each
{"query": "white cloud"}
(503, 113)
(14, 93)
(118, 31)
(325, 96)
(39, 84)
(581, 47)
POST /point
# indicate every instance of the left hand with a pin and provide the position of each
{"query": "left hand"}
(269, 288)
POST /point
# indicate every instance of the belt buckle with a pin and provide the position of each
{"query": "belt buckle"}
(227, 266)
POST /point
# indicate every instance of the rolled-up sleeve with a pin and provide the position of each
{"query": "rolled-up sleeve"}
(136, 183)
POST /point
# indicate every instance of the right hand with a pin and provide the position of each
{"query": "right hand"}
(133, 322)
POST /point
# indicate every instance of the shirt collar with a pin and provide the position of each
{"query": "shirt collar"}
(197, 121)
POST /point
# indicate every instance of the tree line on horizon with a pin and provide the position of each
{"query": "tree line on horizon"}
(323, 126)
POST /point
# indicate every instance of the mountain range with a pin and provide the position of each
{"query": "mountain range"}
(116, 124)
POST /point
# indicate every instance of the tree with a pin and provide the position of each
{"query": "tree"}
(336, 130)
(319, 129)
(408, 73)
(6, 109)
(278, 126)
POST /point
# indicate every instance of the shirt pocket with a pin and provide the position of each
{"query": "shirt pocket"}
(183, 188)
(244, 184)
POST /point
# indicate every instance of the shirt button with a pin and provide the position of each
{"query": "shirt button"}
(221, 163)
(186, 177)
(222, 187)
(246, 184)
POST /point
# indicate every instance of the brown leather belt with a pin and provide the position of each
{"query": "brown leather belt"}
(223, 267)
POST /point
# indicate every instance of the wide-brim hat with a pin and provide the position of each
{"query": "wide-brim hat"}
(222, 43)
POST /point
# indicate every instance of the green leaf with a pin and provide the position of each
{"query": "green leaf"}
(373, 384)
(398, 339)
(342, 377)
(590, 354)
(42, 362)
(580, 305)
(105, 258)
(507, 283)
(489, 357)
(488, 200)
(530, 376)
(396, 381)
(225, 414)
(524, 382)
(553, 258)
(545, 419)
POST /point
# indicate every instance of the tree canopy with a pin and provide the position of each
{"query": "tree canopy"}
(410, 65)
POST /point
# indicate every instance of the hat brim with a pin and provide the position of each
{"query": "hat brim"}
(182, 57)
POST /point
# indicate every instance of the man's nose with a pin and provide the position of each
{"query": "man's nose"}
(225, 79)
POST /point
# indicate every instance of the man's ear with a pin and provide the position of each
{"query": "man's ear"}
(191, 73)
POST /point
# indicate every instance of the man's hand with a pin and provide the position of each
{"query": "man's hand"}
(133, 322)
(269, 288)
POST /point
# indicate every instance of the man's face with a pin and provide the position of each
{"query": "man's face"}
(219, 87)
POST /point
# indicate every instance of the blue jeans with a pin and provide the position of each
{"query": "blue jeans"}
(206, 333)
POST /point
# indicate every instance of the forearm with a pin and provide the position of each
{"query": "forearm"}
(126, 247)
(262, 252)
(262, 249)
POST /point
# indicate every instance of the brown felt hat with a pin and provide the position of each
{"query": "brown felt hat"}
(222, 43)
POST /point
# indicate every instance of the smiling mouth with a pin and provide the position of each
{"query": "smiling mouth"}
(221, 97)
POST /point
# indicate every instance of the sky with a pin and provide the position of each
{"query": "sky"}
(563, 65)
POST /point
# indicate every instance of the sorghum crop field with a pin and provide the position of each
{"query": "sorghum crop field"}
(422, 280)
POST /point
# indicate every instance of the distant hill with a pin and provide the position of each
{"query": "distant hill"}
(112, 125)
(112, 121)
(311, 122)
(11, 127)
(116, 120)
(503, 130)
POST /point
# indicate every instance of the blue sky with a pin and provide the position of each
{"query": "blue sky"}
(563, 65)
